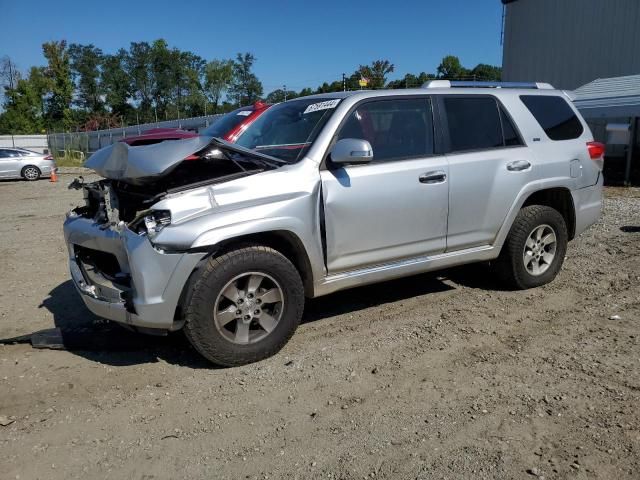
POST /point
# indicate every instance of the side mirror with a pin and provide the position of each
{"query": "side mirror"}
(351, 150)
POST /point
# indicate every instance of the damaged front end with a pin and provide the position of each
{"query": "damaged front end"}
(114, 263)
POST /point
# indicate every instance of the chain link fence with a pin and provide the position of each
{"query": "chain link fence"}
(72, 148)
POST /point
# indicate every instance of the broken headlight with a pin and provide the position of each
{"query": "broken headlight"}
(151, 222)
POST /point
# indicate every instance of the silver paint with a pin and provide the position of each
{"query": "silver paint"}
(381, 220)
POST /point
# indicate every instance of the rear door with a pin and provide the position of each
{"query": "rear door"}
(488, 166)
(396, 206)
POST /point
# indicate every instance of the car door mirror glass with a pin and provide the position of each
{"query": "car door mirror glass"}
(351, 151)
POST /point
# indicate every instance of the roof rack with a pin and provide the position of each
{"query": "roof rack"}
(475, 84)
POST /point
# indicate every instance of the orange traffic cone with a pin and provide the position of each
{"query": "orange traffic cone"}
(54, 176)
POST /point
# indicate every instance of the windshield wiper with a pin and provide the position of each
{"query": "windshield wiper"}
(255, 157)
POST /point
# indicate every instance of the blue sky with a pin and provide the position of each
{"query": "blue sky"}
(297, 43)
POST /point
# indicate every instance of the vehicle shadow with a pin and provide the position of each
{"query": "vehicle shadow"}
(84, 334)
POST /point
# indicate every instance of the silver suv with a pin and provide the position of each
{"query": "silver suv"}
(329, 192)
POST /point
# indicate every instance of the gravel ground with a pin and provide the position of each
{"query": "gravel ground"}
(436, 376)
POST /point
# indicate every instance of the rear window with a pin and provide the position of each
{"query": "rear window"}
(474, 123)
(554, 115)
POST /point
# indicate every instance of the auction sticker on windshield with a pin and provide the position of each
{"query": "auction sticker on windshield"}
(314, 107)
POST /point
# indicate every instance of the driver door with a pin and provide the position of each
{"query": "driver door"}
(396, 206)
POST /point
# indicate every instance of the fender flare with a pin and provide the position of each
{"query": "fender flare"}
(526, 191)
(309, 240)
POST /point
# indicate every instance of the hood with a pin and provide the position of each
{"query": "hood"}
(121, 161)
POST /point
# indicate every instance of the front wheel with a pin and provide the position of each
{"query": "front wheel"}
(245, 305)
(535, 248)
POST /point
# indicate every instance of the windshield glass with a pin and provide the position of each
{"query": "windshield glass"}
(226, 123)
(287, 130)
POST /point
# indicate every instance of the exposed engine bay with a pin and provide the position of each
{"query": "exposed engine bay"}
(122, 198)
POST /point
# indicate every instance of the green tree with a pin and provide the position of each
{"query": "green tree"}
(280, 95)
(451, 68)
(218, 77)
(9, 74)
(486, 72)
(189, 90)
(162, 73)
(376, 73)
(24, 104)
(59, 71)
(138, 65)
(116, 84)
(411, 81)
(85, 67)
(245, 88)
(336, 86)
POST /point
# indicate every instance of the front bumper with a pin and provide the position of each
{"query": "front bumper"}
(154, 279)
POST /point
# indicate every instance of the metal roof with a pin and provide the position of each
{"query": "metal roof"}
(609, 97)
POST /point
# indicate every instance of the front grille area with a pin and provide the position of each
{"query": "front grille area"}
(102, 263)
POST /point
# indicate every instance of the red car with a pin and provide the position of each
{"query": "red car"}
(229, 127)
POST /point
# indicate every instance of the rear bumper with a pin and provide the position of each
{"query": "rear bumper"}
(46, 170)
(154, 279)
(588, 205)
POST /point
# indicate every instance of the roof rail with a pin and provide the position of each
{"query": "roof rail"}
(475, 84)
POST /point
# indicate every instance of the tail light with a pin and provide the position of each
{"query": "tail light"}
(49, 157)
(596, 150)
(192, 157)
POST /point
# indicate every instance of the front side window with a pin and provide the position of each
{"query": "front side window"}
(287, 130)
(396, 129)
(474, 123)
(554, 115)
(4, 153)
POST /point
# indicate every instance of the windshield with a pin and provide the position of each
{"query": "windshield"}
(227, 122)
(287, 130)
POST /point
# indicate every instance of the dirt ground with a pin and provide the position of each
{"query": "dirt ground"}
(436, 376)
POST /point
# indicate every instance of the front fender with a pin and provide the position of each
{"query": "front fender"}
(309, 238)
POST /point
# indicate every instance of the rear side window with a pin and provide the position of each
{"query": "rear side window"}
(511, 137)
(396, 129)
(474, 123)
(554, 115)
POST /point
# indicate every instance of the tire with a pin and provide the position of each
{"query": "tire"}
(516, 265)
(31, 173)
(234, 275)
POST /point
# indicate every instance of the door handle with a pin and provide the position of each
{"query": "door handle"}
(437, 176)
(518, 166)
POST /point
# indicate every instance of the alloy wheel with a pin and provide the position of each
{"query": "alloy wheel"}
(31, 173)
(248, 308)
(539, 250)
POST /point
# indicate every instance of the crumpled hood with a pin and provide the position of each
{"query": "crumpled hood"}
(120, 161)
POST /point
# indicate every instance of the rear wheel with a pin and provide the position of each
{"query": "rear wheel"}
(244, 306)
(535, 248)
(31, 173)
